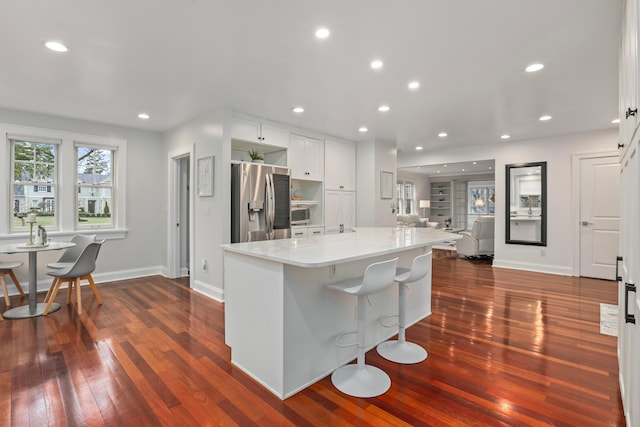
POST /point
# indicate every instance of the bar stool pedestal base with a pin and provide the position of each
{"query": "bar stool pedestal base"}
(402, 352)
(361, 381)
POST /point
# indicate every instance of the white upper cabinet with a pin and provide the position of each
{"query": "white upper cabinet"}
(340, 166)
(259, 133)
(306, 158)
(628, 79)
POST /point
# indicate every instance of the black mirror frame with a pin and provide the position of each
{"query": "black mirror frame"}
(543, 209)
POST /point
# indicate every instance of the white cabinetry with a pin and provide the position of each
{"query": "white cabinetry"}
(340, 166)
(304, 232)
(340, 211)
(298, 232)
(259, 133)
(628, 268)
(628, 79)
(306, 158)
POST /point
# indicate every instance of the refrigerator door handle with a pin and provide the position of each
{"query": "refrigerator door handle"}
(269, 206)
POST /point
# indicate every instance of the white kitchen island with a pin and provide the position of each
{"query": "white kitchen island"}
(280, 320)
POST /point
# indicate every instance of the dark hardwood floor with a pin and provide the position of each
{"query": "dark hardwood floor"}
(505, 348)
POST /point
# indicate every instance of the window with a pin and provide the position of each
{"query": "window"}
(95, 186)
(34, 165)
(481, 197)
(72, 182)
(405, 193)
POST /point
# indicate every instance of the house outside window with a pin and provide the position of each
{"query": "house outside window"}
(34, 166)
(95, 194)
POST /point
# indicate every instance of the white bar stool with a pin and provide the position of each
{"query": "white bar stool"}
(361, 380)
(400, 350)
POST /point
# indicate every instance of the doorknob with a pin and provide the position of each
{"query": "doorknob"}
(585, 223)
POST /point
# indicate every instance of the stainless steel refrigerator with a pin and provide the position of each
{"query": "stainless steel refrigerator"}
(260, 202)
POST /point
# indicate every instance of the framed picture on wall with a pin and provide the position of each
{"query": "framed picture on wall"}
(386, 185)
(205, 176)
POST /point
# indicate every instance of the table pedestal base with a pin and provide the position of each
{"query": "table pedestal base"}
(23, 311)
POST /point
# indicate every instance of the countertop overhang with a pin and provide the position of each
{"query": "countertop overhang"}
(322, 251)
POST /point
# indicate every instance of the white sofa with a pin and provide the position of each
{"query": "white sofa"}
(478, 241)
(414, 220)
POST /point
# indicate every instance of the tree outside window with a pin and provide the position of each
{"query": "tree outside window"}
(34, 181)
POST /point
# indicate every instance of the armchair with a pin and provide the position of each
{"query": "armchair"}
(478, 241)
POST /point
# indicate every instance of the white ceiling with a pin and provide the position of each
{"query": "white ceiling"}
(176, 59)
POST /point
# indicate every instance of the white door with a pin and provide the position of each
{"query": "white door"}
(629, 300)
(599, 216)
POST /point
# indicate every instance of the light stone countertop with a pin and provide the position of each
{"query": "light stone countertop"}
(322, 251)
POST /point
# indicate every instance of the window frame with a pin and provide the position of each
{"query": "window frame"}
(56, 143)
(112, 186)
(400, 194)
(66, 198)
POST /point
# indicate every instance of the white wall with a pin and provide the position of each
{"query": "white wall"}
(557, 256)
(209, 133)
(141, 253)
(372, 157)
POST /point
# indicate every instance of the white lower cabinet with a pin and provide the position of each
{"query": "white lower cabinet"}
(339, 211)
(304, 232)
(315, 231)
(298, 232)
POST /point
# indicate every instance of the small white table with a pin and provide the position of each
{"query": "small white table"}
(34, 309)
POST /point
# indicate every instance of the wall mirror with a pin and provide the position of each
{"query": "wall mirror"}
(526, 216)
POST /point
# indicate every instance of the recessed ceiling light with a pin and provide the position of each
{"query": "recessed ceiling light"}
(383, 108)
(490, 167)
(615, 121)
(505, 136)
(475, 163)
(418, 148)
(143, 116)
(444, 165)
(56, 46)
(533, 68)
(545, 118)
(462, 169)
(442, 134)
(297, 110)
(376, 64)
(438, 172)
(363, 129)
(414, 85)
(322, 33)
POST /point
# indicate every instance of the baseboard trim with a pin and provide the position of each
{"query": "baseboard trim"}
(538, 268)
(208, 290)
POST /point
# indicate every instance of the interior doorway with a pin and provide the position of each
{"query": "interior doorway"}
(598, 215)
(180, 214)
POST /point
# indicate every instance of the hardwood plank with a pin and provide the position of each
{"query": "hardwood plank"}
(505, 348)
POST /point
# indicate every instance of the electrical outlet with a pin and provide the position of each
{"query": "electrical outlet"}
(204, 263)
(332, 271)
(543, 252)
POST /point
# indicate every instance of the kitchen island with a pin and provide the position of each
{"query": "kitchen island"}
(281, 321)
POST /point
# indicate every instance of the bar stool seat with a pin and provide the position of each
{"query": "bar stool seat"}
(401, 350)
(361, 380)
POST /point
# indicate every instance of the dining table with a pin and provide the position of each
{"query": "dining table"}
(33, 309)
